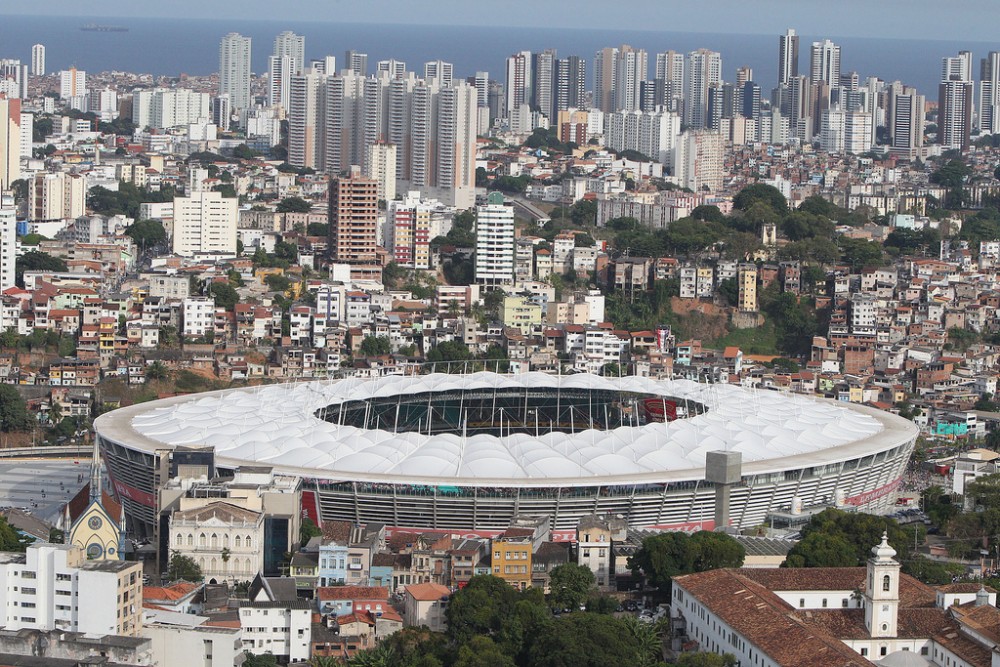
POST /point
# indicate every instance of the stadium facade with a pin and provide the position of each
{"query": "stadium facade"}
(468, 453)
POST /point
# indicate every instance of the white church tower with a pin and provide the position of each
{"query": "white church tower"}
(882, 591)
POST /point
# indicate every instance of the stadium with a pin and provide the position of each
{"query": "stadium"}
(469, 452)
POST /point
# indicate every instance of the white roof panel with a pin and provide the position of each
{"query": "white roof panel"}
(278, 424)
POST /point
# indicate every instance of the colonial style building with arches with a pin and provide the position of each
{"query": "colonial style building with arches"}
(226, 541)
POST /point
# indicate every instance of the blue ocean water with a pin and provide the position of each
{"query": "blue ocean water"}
(175, 46)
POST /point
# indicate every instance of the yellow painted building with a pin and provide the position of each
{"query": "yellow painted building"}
(512, 557)
(522, 313)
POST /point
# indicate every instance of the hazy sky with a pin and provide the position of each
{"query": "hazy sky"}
(922, 19)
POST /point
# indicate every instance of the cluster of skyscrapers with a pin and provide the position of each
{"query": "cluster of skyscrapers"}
(421, 130)
(421, 126)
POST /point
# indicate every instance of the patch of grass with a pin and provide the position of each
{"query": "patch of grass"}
(761, 340)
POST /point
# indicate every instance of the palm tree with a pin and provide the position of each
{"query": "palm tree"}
(648, 638)
(382, 655)
(324, 661)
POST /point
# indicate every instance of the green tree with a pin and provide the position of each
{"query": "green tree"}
(14, 415)
(11, 539)
(32, 239)
(235, 278)
(662, 557)
(66, 346)
(584, 212)
(861, 531)
(760, 192)
(570, 585)
(259, 660)
(612, 370)
(156, 371)
(647, 640)
(729, 290)
(308, 530)
(277, 282)
(293, 205)
(861, 253)
(224, 294)
(712, 551)
(244, 152)
(822, 550)
(585, 640)
(383, 655)
(36, 261)
(985, 491)
(41, 128)
(375, 346)
(183, 568)
(708, 213)
(816, 205)
(318, 229)
(485, 607)
(147, 233)
(482, 652)
(666, 555)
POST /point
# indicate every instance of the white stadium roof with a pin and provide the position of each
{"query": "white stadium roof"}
(276, 425)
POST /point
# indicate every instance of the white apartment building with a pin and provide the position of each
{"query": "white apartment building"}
(234, 70)
(698, 158)
(58, 196)
(38, 60)
(205, 223)
(10, 141)
(381, 166)
(305, 120)
(189, 639)
(167, 286)
(8, 240)
(163, 108)
(864, 312)
(495, 242)
(858, 132)
(651, 133)
(831, 136)
(72, 83)
(600, 347)
(198, 315)
(278, 627)
(55, 587)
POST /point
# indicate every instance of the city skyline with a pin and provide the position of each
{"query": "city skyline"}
(761, 17)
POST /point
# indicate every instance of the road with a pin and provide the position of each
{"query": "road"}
(22, 483)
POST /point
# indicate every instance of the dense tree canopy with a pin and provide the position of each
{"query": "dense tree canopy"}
(570, 585)
(834, 538)
(11, 539)
(183, 568)
(36, 261)
(375, 346)
(126, 199)
(224, 294)
(667, 555)
(585, 640)
(14, 415)
(768, 194)
(147, 233)
(293, 205)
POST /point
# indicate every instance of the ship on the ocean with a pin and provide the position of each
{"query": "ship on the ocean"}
(96, 27)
